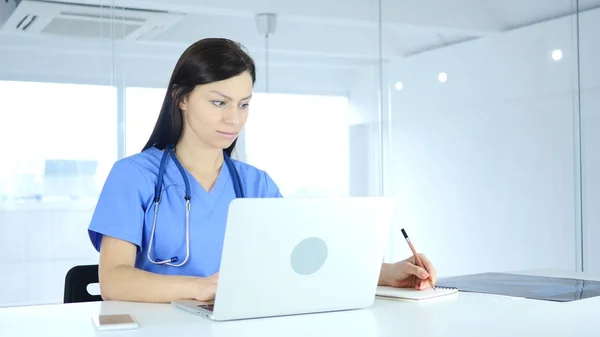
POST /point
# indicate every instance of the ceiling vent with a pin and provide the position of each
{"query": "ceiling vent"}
(90, 21)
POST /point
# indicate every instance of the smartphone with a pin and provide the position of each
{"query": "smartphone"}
(114, 322)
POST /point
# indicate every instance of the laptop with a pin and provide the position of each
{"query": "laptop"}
(290, 256)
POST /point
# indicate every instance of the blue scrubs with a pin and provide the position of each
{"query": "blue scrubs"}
(125, 210)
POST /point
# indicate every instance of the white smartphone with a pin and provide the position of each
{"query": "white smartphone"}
(114, 322)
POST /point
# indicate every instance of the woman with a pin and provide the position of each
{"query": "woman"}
(204, 110)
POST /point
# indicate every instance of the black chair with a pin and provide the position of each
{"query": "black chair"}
(76, 282)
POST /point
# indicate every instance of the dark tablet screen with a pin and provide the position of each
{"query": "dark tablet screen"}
(516, 285)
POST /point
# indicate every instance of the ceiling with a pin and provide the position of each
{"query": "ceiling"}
(323, 34)
(324, 29)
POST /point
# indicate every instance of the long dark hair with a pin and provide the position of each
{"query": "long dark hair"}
(208, 60)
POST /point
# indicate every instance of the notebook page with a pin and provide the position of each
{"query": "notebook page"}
(413, 294)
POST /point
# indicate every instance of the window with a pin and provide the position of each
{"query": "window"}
(60, 140)
(142, 106)
(301, 141)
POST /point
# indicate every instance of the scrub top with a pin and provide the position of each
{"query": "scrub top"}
(125, 211)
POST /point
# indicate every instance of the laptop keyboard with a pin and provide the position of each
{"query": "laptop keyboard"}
(208, 307)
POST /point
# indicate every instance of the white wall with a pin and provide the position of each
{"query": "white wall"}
(485, 164)
(39, 243)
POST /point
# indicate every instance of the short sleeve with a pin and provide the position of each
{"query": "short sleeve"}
(119, 212)
(271, 188)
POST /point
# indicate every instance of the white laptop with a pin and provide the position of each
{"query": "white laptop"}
(287, 256)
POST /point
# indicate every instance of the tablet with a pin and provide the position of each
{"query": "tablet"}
(558, 289)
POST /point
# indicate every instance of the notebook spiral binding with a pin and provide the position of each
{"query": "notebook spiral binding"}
(448, 288)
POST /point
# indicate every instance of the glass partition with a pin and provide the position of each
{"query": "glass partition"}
(83, 83)
(477, 117)
(589, 100)
(483, 132)
(59, 125)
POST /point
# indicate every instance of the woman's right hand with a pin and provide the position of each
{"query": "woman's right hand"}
(206, 288)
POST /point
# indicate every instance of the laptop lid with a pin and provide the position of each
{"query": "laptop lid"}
(285, 256)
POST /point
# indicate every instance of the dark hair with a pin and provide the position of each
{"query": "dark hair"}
(205, 61)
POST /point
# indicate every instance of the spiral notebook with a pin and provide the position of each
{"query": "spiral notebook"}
(414, 294)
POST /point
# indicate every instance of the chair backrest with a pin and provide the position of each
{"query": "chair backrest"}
(76, 282)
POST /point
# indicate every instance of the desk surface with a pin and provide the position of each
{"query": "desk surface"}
(467, 314)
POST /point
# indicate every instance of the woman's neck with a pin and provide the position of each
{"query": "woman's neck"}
(199, 159)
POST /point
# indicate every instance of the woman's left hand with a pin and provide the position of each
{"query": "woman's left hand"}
(406, 274)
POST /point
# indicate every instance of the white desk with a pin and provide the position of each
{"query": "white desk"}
(464, 315)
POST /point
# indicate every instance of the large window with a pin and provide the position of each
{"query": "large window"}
(275, 138)
(301, 141)
(59, 140)
(142, 106)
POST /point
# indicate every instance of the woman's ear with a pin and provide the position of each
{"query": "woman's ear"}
(183, 104)
(175, 92)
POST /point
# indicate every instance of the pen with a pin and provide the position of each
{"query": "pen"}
(417, 258)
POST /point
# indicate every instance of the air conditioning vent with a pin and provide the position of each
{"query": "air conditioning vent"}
(91, 21)
(26, 22)
(116, 16)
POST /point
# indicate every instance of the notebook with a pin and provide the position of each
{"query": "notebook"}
(414, 294)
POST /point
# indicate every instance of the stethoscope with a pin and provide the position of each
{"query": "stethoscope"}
(169, 151)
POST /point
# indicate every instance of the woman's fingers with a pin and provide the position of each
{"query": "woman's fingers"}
(429, 267)
(411, 269)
